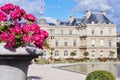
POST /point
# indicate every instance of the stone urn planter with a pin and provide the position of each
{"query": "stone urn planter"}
(21, 40)
(14, 62)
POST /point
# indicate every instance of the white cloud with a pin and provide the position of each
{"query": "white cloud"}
(50, 20)
(91, 4)
(31, 6)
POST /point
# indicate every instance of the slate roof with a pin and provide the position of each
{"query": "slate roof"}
(97, 18)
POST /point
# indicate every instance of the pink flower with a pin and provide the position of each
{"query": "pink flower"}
(26, 38)
(30, 17)
(16, 14)
(44, 33)
(35, 28)
(4, 36)
(36, 37)
(10, 44)
(26, 28)
(7, 8)
(3, 16)
(11, 37)
(16, 30)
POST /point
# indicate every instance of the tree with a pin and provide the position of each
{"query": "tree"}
(72, 53)
(111, 54)
(86, 54)
(46, 44)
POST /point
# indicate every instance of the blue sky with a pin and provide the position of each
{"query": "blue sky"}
(62, 9)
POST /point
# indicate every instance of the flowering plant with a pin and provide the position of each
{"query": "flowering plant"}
(17, 28)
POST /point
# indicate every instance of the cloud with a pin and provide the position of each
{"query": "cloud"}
(111, 6)
(91, 4)
(50, 20)
(31, 6)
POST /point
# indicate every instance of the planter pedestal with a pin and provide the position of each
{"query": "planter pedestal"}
(14, 67)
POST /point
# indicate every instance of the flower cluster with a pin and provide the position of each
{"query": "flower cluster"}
(17, 27)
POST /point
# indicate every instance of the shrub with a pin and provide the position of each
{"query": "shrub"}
(100, 75)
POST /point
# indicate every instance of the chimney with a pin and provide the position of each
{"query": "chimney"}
(71, 19)
(88, 13)
(58, 22)
(103, 12)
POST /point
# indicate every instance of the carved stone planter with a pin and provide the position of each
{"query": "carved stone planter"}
(14, 64)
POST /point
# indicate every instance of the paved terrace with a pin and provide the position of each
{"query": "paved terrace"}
(47, 72)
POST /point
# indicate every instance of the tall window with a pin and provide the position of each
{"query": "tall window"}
(70, 32)
(65, 53)
(65, 43)
(92, 32)
(75, 52)
(56, 43)
(93, 53)
(93, 43)
(74, 42)
(110, 31)
(56, 53)
(101, 42)
(62, 32)
(110, 43)
(44, 53)
(101, 32)
(101, 53)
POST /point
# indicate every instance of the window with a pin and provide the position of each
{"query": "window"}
(110, 43)
(101, 32)
(74, 42)
(70, 32)
(110, 31)
(56, 43)
(65, 43)
(93, 43)
(101, 53)
(62, 32)
(75, 53)
(66, 53)
(44, 53)
(101, 42)
(93, 53)
(92, 32)
(56, 53)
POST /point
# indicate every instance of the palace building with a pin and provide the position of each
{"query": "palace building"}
(94, 34)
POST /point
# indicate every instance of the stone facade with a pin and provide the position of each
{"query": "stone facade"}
(96, 37)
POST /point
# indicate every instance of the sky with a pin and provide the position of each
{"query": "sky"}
(62, 9)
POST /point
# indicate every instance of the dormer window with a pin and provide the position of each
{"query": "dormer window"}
(93, 22)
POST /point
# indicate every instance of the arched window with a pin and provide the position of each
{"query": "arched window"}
(56, 53)
(65, 53)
